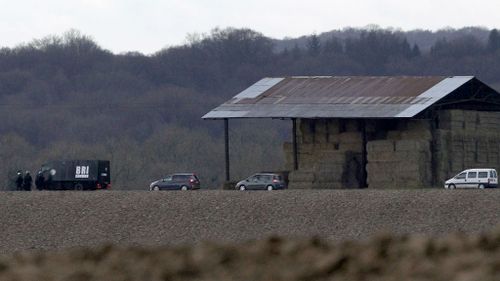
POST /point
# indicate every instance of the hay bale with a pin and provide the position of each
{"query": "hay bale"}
(413, 156)
(393, 135)
(453, 125)
(333, 126)
(333, 139)
(381, 184)
(306, 148)
(443, 138)
(377, 169)
(418, 135)
(418, 125)
(412, 145)
(471, 117)
(412, 184)
(332, 185)
(493, 158)
(300, 185)
(355, 147)
(414, 167)
(307, 164)
(482, 158)
(380, 146)
(383, 156)
(326, 177)
(301, 176)
(327, 147)
(486, 116)
(328, 166)
(350, 137)
(321, 132)
(457, 166)
(334, 157)
(451, 115)
(305, 133)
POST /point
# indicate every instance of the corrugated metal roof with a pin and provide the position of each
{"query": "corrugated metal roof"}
(338, 97)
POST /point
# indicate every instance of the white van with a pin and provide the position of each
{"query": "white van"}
(473, 178)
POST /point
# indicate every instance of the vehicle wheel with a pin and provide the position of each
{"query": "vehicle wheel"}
(481, 186)
(184, 187)
(242, 187)
(270, 187)
(156, 188)
(78, 186)
(451, 186)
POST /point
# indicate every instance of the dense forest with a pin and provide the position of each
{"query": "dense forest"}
(65, 97)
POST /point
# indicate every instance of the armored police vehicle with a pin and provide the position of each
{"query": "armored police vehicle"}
(76, 175)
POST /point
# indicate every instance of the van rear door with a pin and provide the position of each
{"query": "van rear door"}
(493, 179)
(103, 174)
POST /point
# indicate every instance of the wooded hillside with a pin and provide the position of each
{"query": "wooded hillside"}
(64, 97)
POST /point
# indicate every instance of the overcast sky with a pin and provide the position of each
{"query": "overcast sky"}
(150, 25)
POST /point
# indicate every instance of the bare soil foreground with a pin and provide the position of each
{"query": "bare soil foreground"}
(456, 257)
(54, 220)
(115, 235)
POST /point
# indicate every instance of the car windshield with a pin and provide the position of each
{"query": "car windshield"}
(461, 176)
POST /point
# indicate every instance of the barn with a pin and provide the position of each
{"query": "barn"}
(375, 132)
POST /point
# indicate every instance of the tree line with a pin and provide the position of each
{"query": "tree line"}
(64, 96)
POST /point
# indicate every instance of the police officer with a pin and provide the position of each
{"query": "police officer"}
(39, 181)
(28, 180)
(19, 181)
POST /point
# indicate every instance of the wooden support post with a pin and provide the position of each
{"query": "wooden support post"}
(226, 147)
(364, 157)
(434, 160)
(295, 148)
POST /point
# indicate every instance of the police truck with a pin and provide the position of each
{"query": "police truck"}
(76, 175)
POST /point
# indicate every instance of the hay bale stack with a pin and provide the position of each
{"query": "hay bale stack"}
(467, 139)
(451, 120)
(304, 134)
(417, 129)
(398, 163)
(330, 149)
(288, 151)
(489, 121)
(300, 179)
(322, 151)
(321, 131)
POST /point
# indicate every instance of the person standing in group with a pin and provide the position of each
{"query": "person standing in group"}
(39, 181)
(19, 181)
(28, 180)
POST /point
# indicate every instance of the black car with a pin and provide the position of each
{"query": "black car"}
(264, 181)
(181, 181)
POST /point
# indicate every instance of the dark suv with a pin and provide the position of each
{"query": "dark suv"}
(265, 181)
(182, 181)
